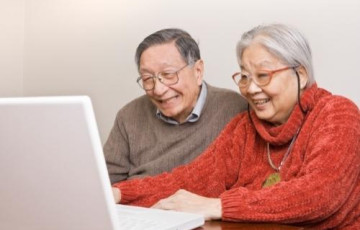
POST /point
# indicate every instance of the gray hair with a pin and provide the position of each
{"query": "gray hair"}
(283, 41)
(186, 45)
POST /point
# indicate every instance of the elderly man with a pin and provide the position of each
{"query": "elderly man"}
(179, 116)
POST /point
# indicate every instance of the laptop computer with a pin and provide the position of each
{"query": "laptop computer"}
(53, 173)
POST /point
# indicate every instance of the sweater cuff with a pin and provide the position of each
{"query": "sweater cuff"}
(232, 202)
(127, 192)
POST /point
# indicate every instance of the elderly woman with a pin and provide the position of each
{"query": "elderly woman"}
(293, 158)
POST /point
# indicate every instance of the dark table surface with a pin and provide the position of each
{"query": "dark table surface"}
(223, 225)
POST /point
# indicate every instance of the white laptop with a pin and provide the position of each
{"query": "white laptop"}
(53, 174)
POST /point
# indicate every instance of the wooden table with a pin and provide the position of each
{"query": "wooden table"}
(224, 225)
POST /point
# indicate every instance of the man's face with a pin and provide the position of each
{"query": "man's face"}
(177, 100)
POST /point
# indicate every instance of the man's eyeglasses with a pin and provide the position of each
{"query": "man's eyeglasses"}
(261, 79)
(147, 81)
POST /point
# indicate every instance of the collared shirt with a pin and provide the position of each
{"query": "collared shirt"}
(195, 113)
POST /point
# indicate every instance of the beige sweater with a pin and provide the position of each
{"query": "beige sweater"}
(140, 144)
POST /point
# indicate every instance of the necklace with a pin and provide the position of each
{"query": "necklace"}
(275, 178)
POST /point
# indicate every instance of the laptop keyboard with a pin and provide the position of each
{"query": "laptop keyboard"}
(132, 218)
(130, 223)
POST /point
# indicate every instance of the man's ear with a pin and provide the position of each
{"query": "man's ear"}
(304, 77)
(199, 71)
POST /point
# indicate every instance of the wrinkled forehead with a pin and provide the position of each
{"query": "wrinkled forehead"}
(255, 55)
(160, 56)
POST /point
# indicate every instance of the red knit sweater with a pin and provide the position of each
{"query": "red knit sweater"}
(320, 178)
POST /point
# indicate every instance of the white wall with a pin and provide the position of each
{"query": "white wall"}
(11, 47)
(87, 46)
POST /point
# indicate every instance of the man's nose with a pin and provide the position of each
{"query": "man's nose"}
(159, 87)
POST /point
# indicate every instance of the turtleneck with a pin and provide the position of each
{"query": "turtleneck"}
(282, 134)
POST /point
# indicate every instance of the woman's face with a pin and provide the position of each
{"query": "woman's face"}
(275, 101)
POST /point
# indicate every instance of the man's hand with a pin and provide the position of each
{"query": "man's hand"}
(117, 194)
(186, 201)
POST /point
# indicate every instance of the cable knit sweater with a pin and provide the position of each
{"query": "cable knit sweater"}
(140, 144)
(320, 178)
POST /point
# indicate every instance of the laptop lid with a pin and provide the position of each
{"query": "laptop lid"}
(53, 173)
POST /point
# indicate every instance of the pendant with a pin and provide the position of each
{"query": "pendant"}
(272, 179)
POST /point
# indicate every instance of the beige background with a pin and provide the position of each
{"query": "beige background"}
(75, 47)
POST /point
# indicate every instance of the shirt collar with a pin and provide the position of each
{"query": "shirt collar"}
(195, 113)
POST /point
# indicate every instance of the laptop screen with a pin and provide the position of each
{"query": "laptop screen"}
(52, 169)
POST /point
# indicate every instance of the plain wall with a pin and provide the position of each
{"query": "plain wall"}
(75, 47)
(11, 47)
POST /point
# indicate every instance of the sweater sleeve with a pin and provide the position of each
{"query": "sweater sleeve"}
(116, 151)
(207, 175)
(328, 179)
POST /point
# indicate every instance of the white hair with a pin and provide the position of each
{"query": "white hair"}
(282, 41)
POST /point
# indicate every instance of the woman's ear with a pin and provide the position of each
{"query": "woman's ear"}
(303, 76)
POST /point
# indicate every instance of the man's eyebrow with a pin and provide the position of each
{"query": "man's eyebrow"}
(144, 70)
(242, 67)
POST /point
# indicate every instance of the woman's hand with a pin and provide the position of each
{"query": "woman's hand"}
(117, 194)
(186, 201)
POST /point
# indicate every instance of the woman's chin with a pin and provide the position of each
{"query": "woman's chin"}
(263, 115)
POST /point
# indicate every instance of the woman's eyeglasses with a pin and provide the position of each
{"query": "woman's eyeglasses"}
(262, 78)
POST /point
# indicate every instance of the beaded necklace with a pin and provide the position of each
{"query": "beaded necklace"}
(275, 178)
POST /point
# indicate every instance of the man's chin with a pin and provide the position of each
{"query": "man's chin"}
(168, 114)
(168, 109)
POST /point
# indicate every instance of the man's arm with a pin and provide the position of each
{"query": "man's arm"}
(116, 151)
